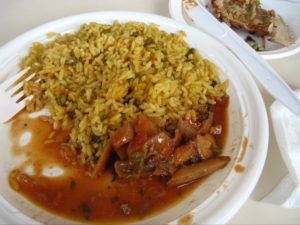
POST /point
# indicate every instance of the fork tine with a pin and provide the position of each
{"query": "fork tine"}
(19, 86)
(21, 103)
(19, 106)
(22, 98)
(6, 84)
(17, 96)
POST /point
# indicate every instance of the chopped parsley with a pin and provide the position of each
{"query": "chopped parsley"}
(190, 51)
(141, 191)
(248, 8)
(86, 210)
(61, 100)
(253, 43)
(73, 185)
(216, 150)
(115, 199)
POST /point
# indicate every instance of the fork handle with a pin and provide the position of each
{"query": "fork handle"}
(261, 70)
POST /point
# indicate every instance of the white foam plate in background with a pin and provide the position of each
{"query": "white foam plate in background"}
(289, 10)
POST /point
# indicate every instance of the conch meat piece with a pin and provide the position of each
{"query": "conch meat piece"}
(250, 16)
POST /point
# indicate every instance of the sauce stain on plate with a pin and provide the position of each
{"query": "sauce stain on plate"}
(239, 168)
(185, 220)
(244, 148)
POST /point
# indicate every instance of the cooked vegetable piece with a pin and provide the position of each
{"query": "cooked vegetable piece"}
(204, 145)
(140, 138)
(145, 125)
(122, 152)
(158, 121)
(206, 124)
(185, 153)
(198, 170)
(187, 129)
(177, 138)
(124, 169)
(165, 169)
(136, 156)
(102, 160)
(160, 143)
(122, 136)
(203, 111)
(136, 145)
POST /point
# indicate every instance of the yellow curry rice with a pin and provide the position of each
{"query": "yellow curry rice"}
(96, 79)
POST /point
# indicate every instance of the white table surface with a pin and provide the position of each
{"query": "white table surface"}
(18, 16)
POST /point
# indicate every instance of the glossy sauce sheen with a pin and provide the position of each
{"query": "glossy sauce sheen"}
(77, 196)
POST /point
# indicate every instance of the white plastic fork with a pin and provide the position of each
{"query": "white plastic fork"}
(12, 98)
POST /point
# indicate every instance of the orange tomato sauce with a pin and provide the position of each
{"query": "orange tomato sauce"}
(77, 196)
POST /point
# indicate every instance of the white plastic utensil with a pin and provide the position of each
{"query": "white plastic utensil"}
(262, 71)
(287, 131)
(12, 98)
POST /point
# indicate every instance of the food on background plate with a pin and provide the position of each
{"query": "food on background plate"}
(249, 15)
(250, 41)
(130, 106)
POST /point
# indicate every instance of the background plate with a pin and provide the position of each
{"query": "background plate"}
(288, 9)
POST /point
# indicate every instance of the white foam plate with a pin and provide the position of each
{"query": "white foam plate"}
(288, 9)
(223, 193)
